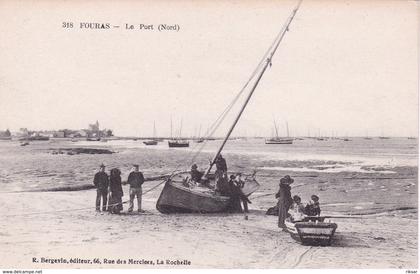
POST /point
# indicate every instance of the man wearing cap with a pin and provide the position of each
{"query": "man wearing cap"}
(285, 199)
(101, 181)
(135, 180)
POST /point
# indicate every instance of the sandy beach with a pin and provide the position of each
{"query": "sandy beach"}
(61, 229)
(219, 241)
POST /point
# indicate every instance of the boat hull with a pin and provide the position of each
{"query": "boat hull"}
(280, 141)
(311, 233)
(178, 198)
(150, 143)
(178, 144)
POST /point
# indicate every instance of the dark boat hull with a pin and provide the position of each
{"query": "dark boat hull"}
(279, 141)
(150, 143)
(177, 198)
(178, 144)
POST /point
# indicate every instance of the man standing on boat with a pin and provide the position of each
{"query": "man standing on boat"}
(135, 180)
(221, 173)
(285, 199)
(101, 181)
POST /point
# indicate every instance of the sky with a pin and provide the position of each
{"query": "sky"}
(345, 68)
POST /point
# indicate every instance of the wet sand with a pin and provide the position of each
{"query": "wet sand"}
(387, 240)
(64, 224)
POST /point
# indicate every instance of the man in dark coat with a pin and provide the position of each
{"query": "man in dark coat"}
(101, 182)
(284, 199)
(135, 180)
(233, 192)
(221, 174)
(116, 191)
(221, 163)
(195, 173)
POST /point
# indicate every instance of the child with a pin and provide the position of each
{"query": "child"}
(297, 209)
(313, 209)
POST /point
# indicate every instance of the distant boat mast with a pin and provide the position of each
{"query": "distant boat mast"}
(268, 62)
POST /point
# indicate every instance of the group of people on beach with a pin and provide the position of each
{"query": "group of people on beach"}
(112, 185)
(227, 186)
(293, 208)
(110, 192)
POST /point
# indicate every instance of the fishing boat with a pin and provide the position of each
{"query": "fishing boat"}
(178, 142)
(179, 195)
(199, 139)
(279, 140)
(93, 139)
(311, 231)
(152, 142)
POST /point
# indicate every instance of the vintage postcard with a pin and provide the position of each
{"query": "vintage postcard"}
(209, 134)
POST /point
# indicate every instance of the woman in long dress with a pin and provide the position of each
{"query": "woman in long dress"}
(116, 191)
(284, 199)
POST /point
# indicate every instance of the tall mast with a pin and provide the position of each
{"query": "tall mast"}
(275, 127)
(287, 128)
(154, 130)
(180, 130)
(171, 128)
(267, 63)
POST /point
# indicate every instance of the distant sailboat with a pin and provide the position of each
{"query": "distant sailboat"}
(199, 140)
(152, 142)
(279, 140)
(178, 142)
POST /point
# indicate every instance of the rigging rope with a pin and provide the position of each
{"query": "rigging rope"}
(273, 48)
(270, 52)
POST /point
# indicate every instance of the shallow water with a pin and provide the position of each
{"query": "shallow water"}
(332, 168)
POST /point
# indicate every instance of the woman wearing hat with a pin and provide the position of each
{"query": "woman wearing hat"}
(284, 199)
(116, 191)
